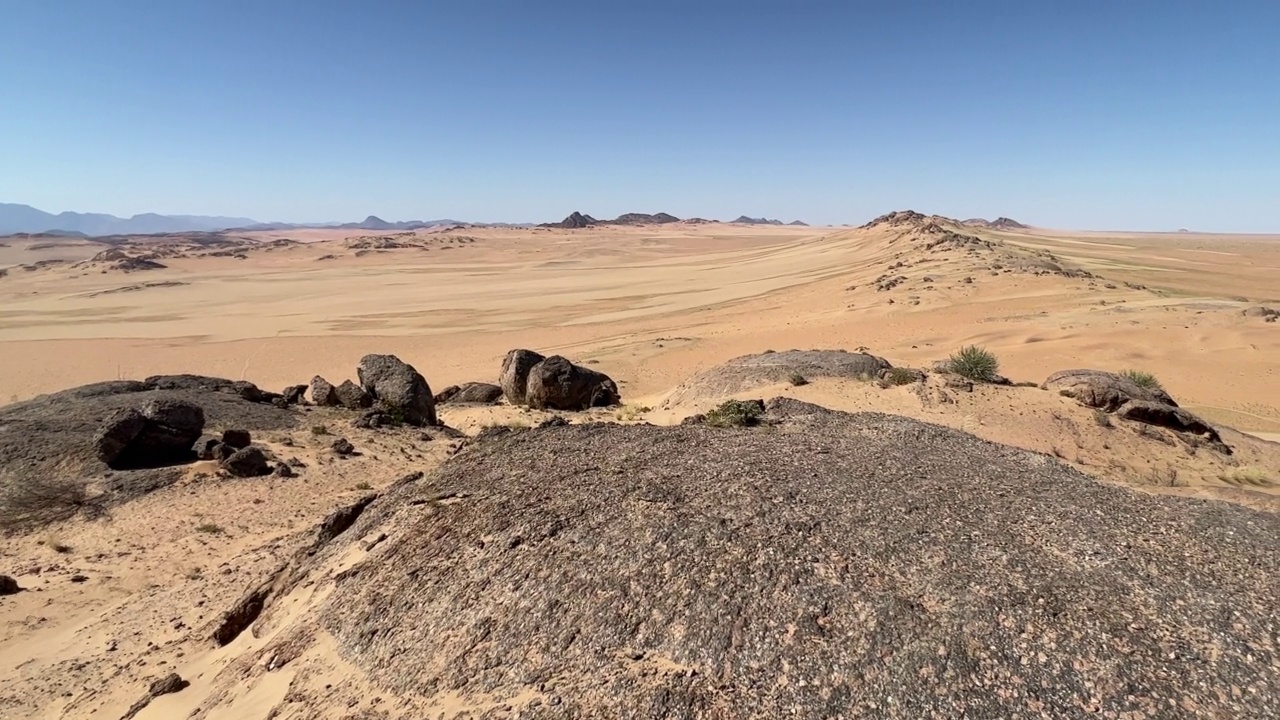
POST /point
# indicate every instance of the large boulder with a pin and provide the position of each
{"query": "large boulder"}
(352, 397)
(1103, 390)
(515, 374)
(163, 433)
(1168, 416)
(323, 392)
(398, 388)
(557, 384)
(476, 393)
(8, 586)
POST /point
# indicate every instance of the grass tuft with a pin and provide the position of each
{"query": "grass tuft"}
(975, 363)
(209, 529)
(1142, 379)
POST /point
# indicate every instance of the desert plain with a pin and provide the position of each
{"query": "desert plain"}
(652, 306)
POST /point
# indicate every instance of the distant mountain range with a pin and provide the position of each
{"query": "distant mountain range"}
(580, 220)
(26, 219)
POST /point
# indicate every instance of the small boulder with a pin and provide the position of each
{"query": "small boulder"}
(294, 394)
(557, 384)
(8, 586)
(237, 439)
(205, 447)
(352, 397)
(515, 374)
(283, 470)
(323, 392)
(477, 393)
(247, 462)
(343, 446)
(222, 452)
(1103, 390)
(167, 685)
(399, 389)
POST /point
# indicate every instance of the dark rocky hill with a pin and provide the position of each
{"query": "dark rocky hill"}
(575, 220)
(823, 565)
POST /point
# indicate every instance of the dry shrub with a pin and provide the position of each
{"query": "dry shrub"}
(28, 503)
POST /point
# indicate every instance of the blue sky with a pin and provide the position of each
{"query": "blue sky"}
(1140, 114)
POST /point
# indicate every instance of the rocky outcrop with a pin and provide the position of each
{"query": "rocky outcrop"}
(771, 368)
(811, 570)
(1260, 311)
(398, 388)
(161, 433)
(576, 220)
(352, 397)
(557, 384)
(1171, 417)
(474, 393)
(1103, 390)
(514, 377)
(323, 392)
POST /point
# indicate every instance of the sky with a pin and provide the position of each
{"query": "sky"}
(1090, 114)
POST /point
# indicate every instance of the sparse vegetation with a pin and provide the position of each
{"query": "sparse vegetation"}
(319, 430)
(627, 413)
(976, 363)
(1102, 418)
(57, 544)
(364, 486)
(209, 529)
(735, 413)
(902, 376)
(1142, 379)
(796, 379)
(29, 503)
(1254, 477)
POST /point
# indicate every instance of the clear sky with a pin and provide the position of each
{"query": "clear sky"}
(1102, 114)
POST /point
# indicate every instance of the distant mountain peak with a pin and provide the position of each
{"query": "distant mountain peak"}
(745, 220)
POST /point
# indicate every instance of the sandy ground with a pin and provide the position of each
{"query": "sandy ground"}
(650, 306)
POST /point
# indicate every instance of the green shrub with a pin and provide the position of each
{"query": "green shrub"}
(319, 430)
(736, 413)
(1142, 379)
(975, 363)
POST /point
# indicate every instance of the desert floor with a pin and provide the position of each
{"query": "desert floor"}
(650, 306)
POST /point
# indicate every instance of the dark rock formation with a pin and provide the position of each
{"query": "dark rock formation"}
(323, 392)
(514, 377)
(162, 433)
(8, 586)
(247, 462)
(1103, 390)
(856, 566)
(576, 220)
(476, 393)
(557, 384)
(237, 439)
(645, 219)
(1169, 416)
(752, 371)
(205, 447)
(400, 390)
(352, 397)
(294, 394)
(343, 446)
